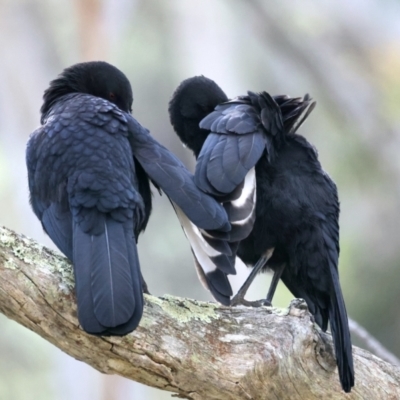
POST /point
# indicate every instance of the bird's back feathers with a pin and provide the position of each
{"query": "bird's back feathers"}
(85, 191)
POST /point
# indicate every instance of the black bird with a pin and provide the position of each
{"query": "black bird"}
(89, 165)
(214, 255)
(295, 231)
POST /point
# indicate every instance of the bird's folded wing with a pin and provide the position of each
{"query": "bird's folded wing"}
(225, 160)
(213, 262)
(232, 117)
(57, 222)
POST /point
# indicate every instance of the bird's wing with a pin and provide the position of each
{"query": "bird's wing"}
(169, 173)
(241, 211)
(213, 259)
(225, 160)
(57, 222)
(237, 140)
(233, 116)
(241, 131)
(53, 211)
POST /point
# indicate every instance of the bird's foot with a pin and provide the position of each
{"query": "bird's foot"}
(240, 300)
(266, 303)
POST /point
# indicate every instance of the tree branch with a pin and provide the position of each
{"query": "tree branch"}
(371, 343)
(197, 350)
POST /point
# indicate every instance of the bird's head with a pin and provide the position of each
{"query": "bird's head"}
(193, 100)
(97, 78)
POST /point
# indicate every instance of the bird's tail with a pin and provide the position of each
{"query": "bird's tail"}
(108, 279)
(341, 334)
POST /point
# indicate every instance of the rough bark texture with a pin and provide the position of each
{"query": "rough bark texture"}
(197, 350)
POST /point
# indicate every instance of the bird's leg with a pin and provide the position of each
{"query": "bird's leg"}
(274, 284)
(239, 297)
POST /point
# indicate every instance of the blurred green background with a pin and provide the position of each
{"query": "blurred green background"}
(346, 54)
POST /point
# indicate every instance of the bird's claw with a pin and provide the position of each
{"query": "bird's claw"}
(240, 300)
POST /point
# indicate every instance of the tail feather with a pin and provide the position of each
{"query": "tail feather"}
(211, 254)
(137, 280)
(219, 286)
(238, 232)
(108, 281)
(337, 311)
(216, 282)
(82, 253)
(111, 277)
(326, 301)
(214, 258)
(341, 335)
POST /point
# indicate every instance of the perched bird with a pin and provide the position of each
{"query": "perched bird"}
(295, 230)
(214, 257)
(89, 165)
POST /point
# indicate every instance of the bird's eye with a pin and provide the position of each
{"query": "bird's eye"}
(112, 96)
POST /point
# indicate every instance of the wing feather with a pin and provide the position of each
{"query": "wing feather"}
(174, 179)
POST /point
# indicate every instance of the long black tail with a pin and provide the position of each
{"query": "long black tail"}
(323, 295)
(108, 279)
(341, 334)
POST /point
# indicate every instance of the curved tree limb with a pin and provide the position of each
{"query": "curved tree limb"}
(197, 350)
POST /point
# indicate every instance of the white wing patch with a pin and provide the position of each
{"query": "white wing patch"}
(248, 191)
(201, 249)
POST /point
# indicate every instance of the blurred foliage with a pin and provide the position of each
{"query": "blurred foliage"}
(346, 54)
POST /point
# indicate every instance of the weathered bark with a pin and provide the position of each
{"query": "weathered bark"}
(197, 350)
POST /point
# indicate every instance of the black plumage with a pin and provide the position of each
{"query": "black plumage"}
(214, 255)
(89, 169)
(295, 230)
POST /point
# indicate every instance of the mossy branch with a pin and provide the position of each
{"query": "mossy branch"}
(197, 350)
